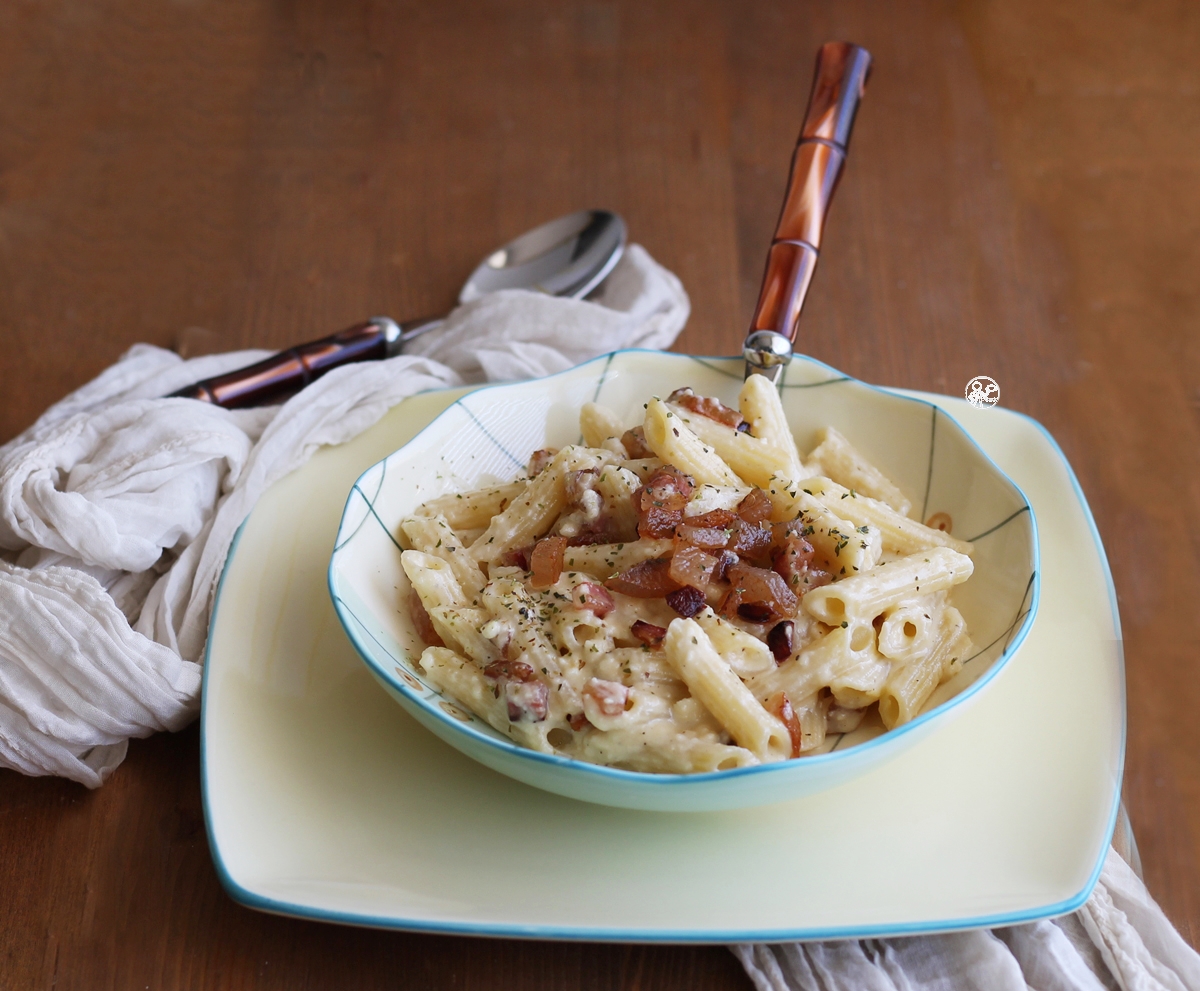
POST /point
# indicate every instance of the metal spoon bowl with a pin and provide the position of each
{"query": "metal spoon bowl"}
(569, 256)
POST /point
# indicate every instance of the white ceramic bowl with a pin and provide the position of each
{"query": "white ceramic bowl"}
(488, 435)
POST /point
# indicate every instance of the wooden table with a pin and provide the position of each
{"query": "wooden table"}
(1022, 200)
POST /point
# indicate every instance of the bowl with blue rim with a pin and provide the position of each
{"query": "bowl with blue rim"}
(487, 436)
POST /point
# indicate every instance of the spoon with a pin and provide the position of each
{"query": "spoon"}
(569, 256)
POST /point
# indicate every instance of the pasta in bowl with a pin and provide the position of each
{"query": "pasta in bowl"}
(688, 598)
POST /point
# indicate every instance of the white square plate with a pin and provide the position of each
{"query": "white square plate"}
(325, 800)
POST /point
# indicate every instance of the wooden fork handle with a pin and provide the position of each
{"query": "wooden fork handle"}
(838, 86)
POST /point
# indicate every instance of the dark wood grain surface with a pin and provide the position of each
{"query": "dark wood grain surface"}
(1022, 200)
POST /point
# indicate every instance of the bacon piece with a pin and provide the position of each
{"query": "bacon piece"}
(814, 578)
(577, 721)
(708, 537)
(687, 601)
(546, 561)
(577, 483)
(714, 409)
(421, 620)
(518, 557)
(658, 524)
(528, 701)
(781, 706)
(648, 633)
(587, 519)
(593, 596)
(611, 697)
(722, 529)
(755, 507)
(725, 561)
(752, 540)
(666, 488)
(794, 559)
(634, 442)
(757, 595)
(510, 671)
(781, 639)
(645, 580)
(719, 518)
(659, 503)
(691, 566)
(756, 612)
(603, 531)
(538, 461)
(527, 698)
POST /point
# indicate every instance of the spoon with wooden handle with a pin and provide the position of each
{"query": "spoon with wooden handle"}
(569, 256)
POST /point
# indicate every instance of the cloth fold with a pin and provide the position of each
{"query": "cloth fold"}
(118, 507)
(1119, 941)
(117, 510)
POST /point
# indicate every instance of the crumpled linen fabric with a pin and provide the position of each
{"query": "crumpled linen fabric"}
(1119, 941)
(118, 506)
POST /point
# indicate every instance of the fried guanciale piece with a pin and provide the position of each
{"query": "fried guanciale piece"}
(692, 566)
(781, 640)
(646, 579)
(595, 597)
(781, 706)
(421, 620)
(757, 595)
(756, 507)
(546, 561)
(538, 460)
(648, 633)
(634, 442)
(687, 601)
(714, 409)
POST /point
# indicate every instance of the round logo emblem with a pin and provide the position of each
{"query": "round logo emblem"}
(983, 391)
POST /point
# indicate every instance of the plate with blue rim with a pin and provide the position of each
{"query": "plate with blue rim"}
(487, 437)
(325, 800)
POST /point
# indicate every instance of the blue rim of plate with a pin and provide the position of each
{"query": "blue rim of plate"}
(252, 899)
(1014, 634)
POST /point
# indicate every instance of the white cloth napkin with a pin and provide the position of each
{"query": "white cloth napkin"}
(117, 509)
(1120, 939)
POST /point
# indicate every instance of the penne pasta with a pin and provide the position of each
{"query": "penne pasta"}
(911, 684)
(606, 560)
(863, 597)
(837, 459)
(908, 629)
(900, 534)
(529, 514)
(745, 654)
(766, 449)
(434, 535)
(713, 606)
(674, 442)
(598, 423)
(471, 510)
(711, 680)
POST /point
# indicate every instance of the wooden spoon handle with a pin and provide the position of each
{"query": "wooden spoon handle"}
(292, 369)
(838, 85)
